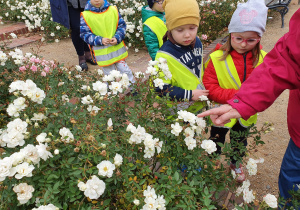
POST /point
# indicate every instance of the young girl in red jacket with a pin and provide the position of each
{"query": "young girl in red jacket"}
(230, 65)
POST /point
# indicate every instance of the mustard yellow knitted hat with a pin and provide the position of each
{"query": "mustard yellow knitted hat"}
(181, 12)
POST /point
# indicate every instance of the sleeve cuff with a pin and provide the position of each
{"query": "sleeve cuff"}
(244, 109)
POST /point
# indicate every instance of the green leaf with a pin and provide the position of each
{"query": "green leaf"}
(176, 176)
(106, 202)
(55, 187)
(52, 176)
(71, 159)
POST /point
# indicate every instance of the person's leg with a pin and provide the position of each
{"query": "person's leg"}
(74, 15)
(239, 139)
(218, 134)
(89, 57)
(123, 68)
(108, 69)
(289, 176)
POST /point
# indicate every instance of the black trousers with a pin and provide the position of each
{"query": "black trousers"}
(218, 134)
(79, 44)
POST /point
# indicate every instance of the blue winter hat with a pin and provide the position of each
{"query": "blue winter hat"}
(150, 3)
(249, 16)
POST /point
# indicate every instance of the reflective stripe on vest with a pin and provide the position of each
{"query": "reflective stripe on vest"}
(183, 77)
(109, 54)
(158, 27)
(229, 79)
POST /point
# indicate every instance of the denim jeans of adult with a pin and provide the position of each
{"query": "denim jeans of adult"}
(289, 176)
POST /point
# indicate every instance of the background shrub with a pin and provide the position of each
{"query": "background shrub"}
(215, 17)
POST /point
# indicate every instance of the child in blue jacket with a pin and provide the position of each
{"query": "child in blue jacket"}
(103, 28)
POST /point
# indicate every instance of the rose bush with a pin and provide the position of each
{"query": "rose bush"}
(215, 16)
(70, 139)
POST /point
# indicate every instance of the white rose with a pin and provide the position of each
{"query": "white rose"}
(118, 160)
(176, 129)
(42, 150)
(6, 168)
(271, 200)
(41, 138)
(136, 202)
(106, 168)
(209, 146)
(24, 192)
(82, 186)
(24, 169)
(94, 188)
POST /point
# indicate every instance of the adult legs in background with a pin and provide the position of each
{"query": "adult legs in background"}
(289, 176)
(81, 47)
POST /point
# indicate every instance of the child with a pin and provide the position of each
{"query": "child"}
(279, 71)
(103, 28)
(232, 64)
(154, 27)
(183, 51)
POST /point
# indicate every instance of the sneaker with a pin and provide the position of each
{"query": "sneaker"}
(84, 66)
(240, 176)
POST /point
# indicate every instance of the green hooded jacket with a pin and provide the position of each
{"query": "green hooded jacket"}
(150, 37)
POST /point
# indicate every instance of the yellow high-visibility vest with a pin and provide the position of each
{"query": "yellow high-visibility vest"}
(183, 77)
(229, 79)
(105, 24)
(158, 27)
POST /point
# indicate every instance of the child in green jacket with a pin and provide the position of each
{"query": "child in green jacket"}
(154, 27)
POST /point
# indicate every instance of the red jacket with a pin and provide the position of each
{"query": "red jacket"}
(243, 64)
(279, 71)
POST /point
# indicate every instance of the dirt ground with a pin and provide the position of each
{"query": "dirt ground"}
(275, 142)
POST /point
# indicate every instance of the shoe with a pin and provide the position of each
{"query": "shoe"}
(84, 66)
(91, 61)
(240, 176)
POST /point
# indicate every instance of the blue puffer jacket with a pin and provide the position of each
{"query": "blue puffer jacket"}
(90, 38)
(150, 37)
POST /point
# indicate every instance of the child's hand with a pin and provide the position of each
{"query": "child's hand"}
(105, 41)
(113, 41)
(197, 93)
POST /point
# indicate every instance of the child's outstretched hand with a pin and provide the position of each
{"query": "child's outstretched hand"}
(197, 93)
(113, 41)
(105, 41)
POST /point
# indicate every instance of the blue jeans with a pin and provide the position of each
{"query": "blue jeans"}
(289, 176)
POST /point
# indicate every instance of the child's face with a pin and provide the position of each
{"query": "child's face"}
(185, 34)
(245, 41)
(157, 6)
(97, 3)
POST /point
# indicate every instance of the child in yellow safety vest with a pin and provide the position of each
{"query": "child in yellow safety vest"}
(231, 65)
(103, 28)
(154, 26)
(183, 52)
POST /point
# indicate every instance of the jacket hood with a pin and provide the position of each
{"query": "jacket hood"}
(90, 7)
(147, 12)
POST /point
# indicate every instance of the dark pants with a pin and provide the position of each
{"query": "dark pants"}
(218, 134)
(289, 176)
(79, 44)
